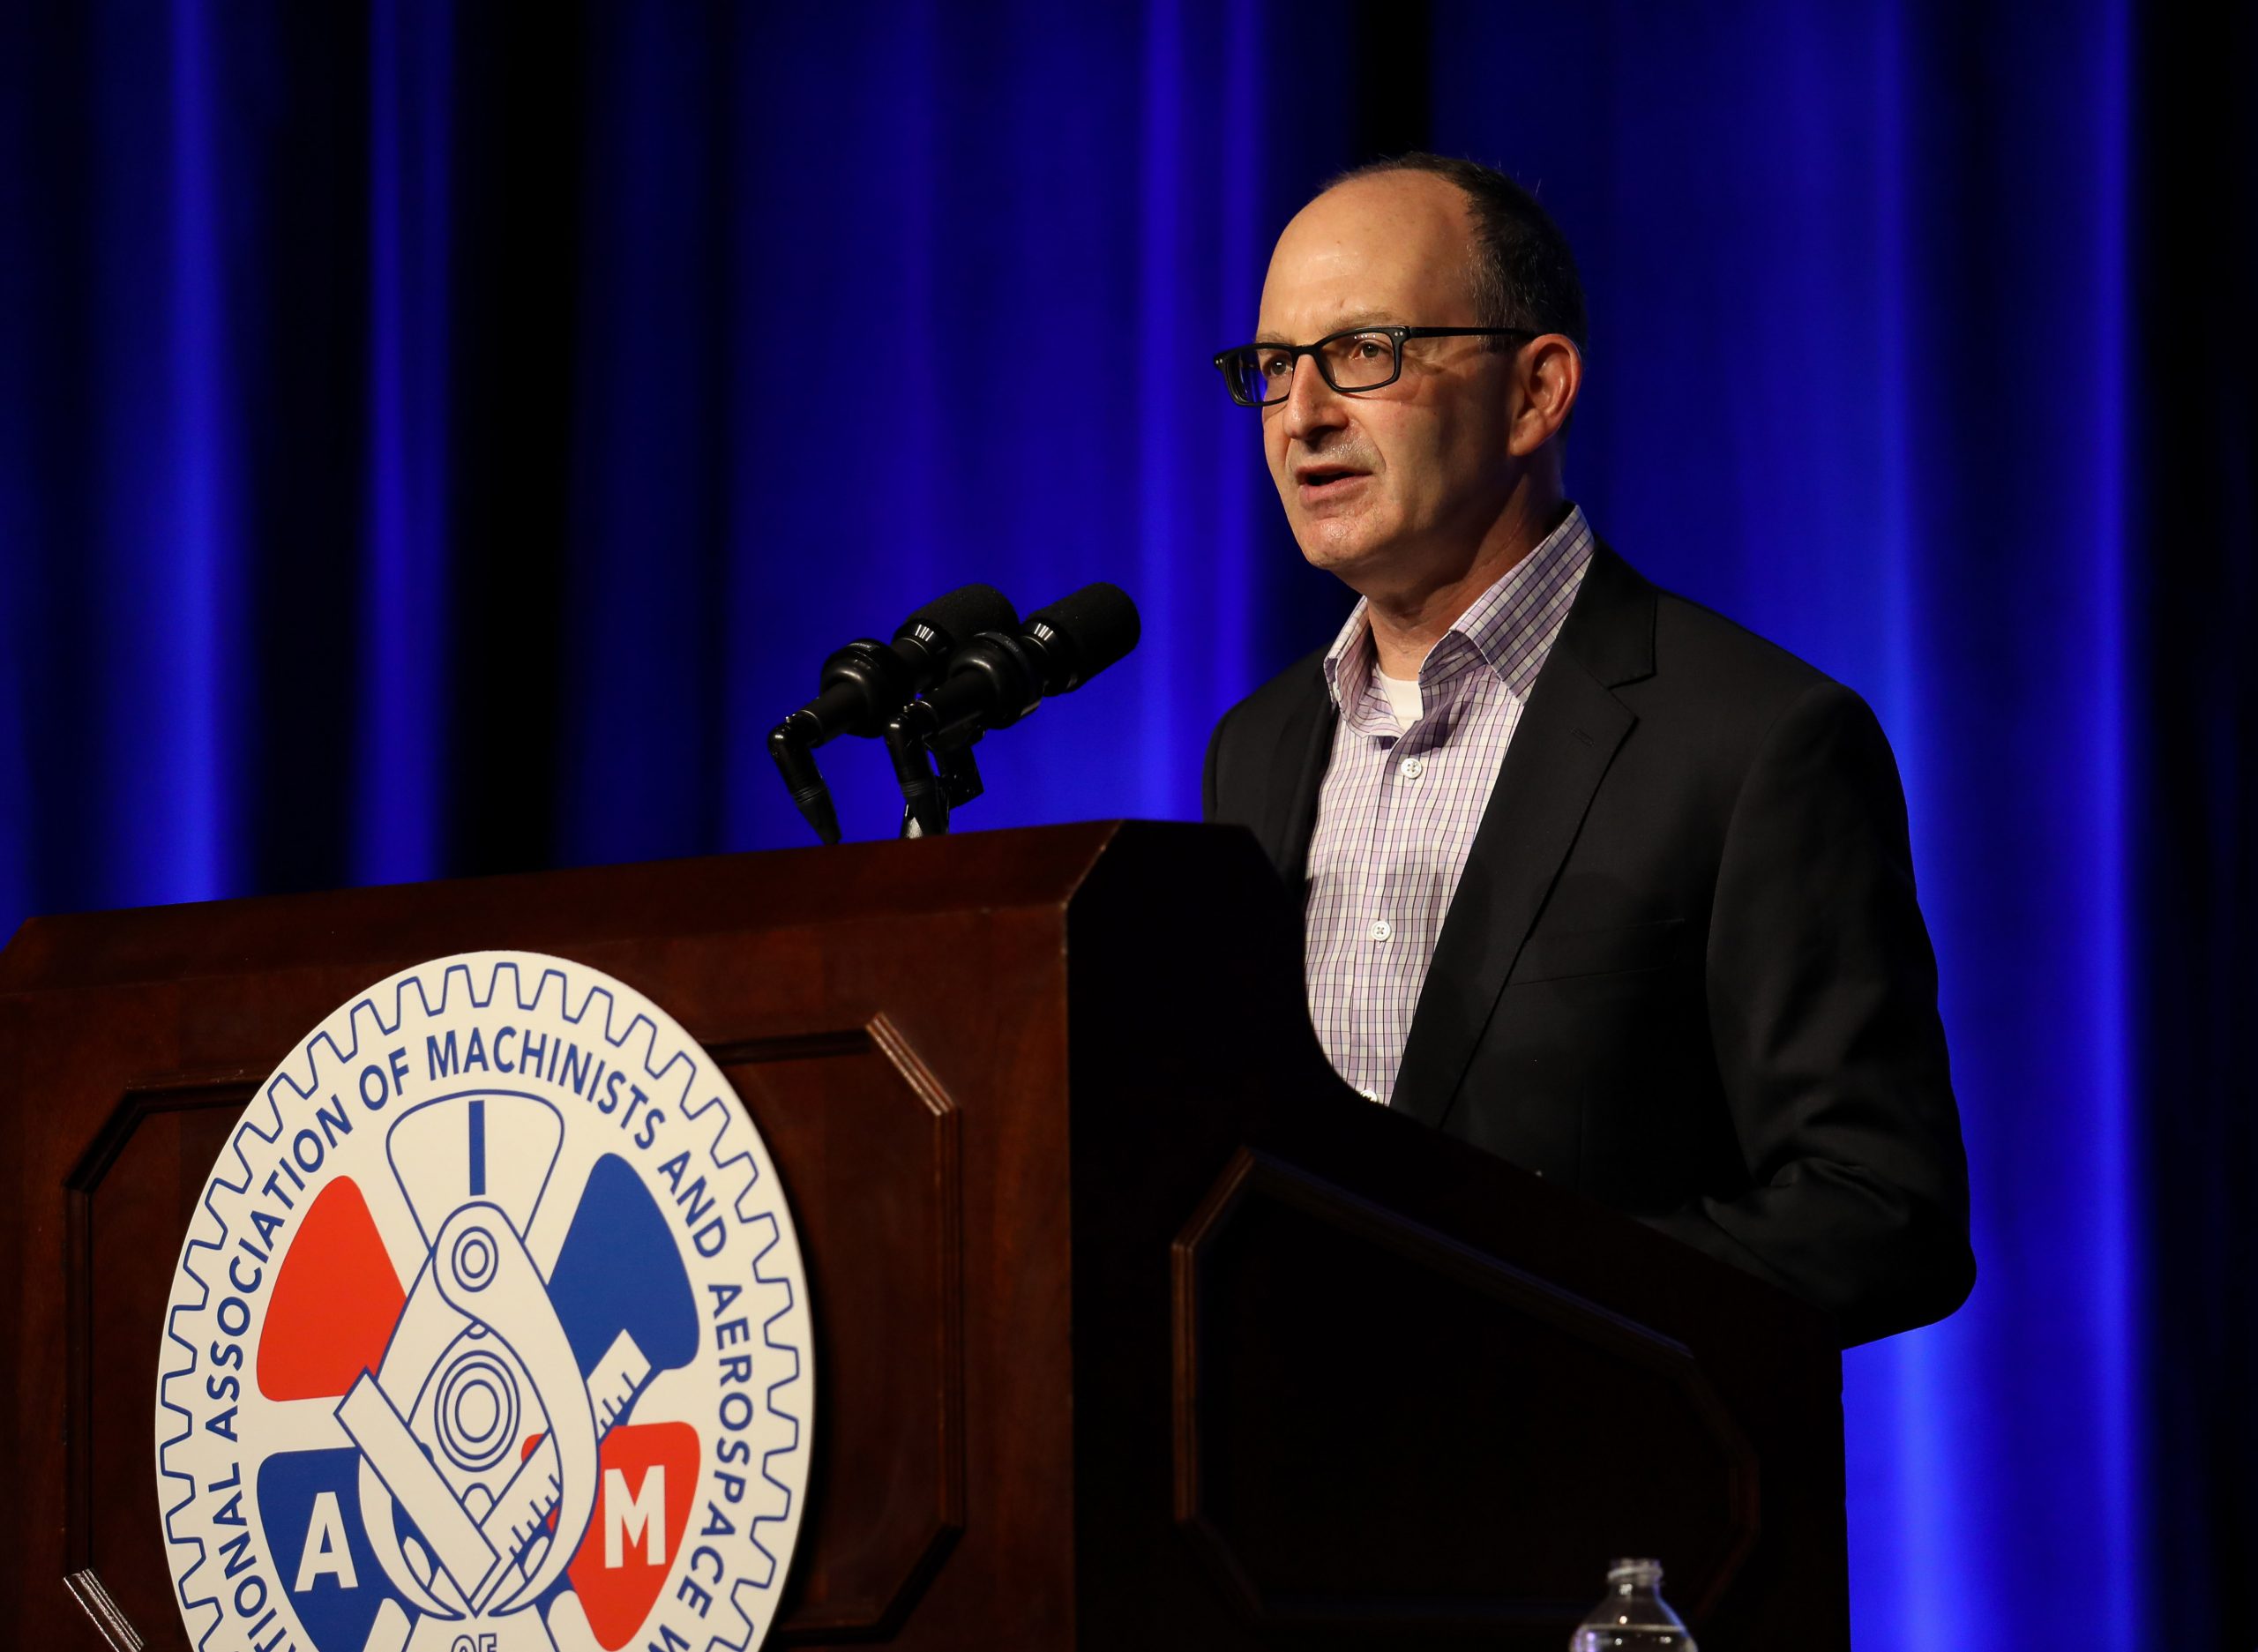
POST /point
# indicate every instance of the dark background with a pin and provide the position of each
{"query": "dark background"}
(440, 440)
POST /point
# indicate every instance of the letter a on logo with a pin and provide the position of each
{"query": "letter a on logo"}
(325, 1550)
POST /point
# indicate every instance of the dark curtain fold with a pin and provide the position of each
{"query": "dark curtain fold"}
(2195, 282)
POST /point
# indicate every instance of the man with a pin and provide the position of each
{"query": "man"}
(1594, 879)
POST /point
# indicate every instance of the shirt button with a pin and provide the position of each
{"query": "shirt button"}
(1413, 767)
(1381, 929)
(1368, 1093)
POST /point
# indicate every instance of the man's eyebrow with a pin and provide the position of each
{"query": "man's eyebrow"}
(1347, 323)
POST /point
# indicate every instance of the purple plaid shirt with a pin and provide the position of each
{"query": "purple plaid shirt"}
(1396, 817)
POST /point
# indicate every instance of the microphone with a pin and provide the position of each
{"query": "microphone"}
(998, 678)
(866, 684)
(995, 680)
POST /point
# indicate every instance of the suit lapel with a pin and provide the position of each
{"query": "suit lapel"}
(1568, 735)
(1297, 776)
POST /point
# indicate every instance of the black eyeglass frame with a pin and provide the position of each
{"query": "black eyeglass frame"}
(1394, 336)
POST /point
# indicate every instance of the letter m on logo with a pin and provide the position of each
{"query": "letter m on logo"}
(650, 1475)
(639, 1518)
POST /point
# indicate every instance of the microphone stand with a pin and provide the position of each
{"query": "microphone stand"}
(913, 740)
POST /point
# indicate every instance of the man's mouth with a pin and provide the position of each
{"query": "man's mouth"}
(1324, 482)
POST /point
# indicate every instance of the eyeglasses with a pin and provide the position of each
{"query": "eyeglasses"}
(1361, 358)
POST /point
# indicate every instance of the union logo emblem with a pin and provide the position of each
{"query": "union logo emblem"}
(490, 1334)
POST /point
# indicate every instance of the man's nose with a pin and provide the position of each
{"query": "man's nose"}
(1311, 405)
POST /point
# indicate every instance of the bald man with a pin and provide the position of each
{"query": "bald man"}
(1593, 878)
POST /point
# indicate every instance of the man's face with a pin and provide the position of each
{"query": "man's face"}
(1392, 488)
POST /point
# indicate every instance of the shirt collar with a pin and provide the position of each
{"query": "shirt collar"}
(1509, 628)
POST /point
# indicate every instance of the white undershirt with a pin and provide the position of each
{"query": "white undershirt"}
(1402, 697)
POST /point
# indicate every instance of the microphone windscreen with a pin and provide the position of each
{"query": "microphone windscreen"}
(1098, 625)
(965, 612)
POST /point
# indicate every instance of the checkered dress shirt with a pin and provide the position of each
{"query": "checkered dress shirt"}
(1396, 820)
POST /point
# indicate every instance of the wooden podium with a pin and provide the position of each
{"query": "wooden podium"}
(1135, 1326)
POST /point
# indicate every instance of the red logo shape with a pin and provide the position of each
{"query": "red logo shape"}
(622, 1563)
(336, 1303)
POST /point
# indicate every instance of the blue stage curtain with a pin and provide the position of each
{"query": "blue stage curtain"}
(437, 440)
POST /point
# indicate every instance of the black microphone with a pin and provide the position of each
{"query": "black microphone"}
(866, 683)
(998, 678)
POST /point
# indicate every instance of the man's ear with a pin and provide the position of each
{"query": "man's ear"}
(1549, 371)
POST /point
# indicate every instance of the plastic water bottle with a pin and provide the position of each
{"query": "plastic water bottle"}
(1634, 1615)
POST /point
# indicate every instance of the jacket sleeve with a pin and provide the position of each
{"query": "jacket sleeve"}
(1822, 1006)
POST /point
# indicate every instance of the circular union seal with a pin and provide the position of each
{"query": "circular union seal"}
(491, 1334)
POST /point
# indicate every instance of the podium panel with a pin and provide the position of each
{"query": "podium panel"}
(1133, 1326)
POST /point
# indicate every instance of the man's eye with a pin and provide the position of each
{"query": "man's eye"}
(1275, 366)
(1370, 349)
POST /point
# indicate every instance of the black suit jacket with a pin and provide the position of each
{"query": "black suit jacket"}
(1685, 971)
